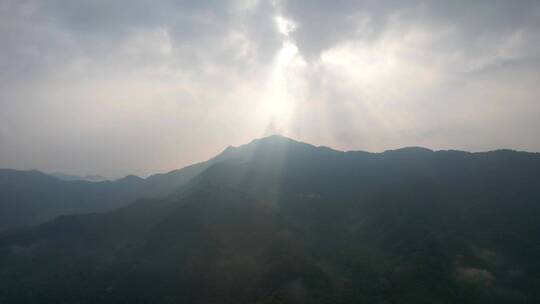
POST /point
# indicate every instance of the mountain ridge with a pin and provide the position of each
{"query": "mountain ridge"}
(279, 222)
(41, 204)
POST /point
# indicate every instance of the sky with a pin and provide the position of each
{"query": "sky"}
(139, 86)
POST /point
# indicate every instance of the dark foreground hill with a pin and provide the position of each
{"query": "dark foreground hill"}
(278, 221)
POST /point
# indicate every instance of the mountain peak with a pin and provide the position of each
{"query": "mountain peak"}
(130, 179)
(274, 138)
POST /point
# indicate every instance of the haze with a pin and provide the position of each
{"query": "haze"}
(137, 86)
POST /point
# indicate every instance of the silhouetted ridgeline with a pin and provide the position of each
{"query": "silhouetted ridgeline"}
(279, 221)
(32, 197)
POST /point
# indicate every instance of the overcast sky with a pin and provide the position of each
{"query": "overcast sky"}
(140, 86)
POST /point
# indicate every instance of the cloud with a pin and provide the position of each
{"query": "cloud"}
(143, 86)
(322, 24)
(434, 73)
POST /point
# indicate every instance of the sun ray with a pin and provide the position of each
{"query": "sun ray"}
(281, 91)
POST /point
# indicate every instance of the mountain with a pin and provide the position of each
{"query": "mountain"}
(88, 177)
(280, 221)
(32, 197)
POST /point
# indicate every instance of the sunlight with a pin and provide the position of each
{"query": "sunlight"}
(361, 64)
(285, 27)
(279, 98)
(282, 85)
